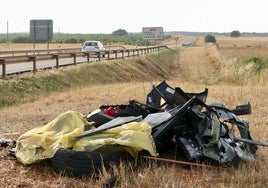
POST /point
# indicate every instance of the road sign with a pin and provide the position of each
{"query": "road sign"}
(152, 33)
(41, 30)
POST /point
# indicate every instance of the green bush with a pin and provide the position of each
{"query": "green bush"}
(258, 64)
(235, 34)
(210, 38)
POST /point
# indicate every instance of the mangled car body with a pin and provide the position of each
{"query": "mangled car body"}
(200, 130)
(171, 120)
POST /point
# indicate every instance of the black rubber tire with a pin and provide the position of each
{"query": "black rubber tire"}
(83, 163)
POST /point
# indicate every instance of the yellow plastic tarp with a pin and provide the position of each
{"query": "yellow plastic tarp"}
(132, 137)
(42, 142)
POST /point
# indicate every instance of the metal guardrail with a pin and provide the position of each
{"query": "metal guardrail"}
(56, 54)
(13, 53)
(7, 53)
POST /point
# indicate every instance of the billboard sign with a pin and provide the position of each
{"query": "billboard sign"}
(41, 30)
(152, 33)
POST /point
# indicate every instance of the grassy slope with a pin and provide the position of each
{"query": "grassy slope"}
(144, 68)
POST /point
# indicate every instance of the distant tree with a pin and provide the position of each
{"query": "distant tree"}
(235, 33)
(71, 40)
(210, 38)
(21, 39)
(120, 32)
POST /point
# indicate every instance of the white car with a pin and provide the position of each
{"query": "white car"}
(94, 46)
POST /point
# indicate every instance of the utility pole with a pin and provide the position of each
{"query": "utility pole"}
(7, 32)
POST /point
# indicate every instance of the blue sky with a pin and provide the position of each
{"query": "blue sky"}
(106, 16)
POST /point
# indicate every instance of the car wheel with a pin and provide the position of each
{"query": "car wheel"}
(84, 163)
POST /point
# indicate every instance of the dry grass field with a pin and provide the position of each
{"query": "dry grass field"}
(242, 47)
(198, 66)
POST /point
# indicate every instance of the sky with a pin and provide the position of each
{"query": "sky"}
(106, 16)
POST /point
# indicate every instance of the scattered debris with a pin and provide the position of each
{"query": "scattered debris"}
(6, 142)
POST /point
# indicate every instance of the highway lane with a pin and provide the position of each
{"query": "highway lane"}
(46, 64)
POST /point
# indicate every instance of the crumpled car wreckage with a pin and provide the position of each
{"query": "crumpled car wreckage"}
(171, 121)
(201, 130)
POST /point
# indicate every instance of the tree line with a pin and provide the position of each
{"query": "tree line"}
(119, 36)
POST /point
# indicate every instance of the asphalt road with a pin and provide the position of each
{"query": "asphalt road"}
(46, 64)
